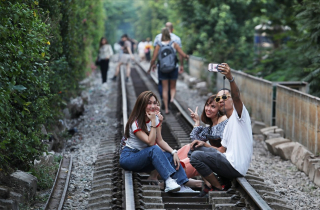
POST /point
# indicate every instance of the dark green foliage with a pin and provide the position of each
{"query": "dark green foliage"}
(24, 87)
(309, 18)
(45, 49)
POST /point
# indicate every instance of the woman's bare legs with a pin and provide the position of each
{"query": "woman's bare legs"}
(117, 69)
(172, 89)
(165, 87)
(128, 69)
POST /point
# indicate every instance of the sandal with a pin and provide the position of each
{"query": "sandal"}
(153, 182)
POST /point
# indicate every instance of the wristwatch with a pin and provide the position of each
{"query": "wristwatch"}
(231, 80)
(173, 151)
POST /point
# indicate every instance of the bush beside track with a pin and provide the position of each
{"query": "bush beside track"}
(46, 48)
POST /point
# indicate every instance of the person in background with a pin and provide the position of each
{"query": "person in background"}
(105, 53)
(233, 158)
(141, 50)
(177, 40)
(125, 58)
(147, 49)
(169, 78)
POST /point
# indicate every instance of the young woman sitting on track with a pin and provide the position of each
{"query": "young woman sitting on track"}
(144, 145)
(216, 121)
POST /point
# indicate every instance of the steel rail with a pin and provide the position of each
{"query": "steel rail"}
(54, 187)
(128, 182)
(63, 197)
(241, 180)
(54, 184)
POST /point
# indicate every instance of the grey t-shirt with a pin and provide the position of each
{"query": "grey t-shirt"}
(133, 141)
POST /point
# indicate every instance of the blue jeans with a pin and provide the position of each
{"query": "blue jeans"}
(151, 158)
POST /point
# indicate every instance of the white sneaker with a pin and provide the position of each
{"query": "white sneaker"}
(187, 189)
(171, 185)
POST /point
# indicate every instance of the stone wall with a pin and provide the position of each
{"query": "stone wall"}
(298, 114)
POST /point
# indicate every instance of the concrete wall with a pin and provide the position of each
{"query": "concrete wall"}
(196, 66)
(298, 114)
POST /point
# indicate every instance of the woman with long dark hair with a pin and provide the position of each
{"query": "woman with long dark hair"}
(201, 134)
(144, 147)
(105, 53)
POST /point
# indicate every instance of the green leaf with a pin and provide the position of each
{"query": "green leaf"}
(19, 87)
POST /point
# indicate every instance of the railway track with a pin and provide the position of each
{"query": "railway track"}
(60, 186)
(248, 192)
(114, 188)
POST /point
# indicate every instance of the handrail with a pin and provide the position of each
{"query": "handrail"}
(129, 194)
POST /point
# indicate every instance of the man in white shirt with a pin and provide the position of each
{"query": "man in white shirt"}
(233, 158)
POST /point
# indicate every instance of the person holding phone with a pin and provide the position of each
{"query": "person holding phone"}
(233, 158)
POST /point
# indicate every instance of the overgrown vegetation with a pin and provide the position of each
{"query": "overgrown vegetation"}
(46, 47)
(223, 31)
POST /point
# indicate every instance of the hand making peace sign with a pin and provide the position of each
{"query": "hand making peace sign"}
(194, 115)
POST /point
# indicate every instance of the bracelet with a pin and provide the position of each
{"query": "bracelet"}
(231, 80)
(153, 126)
(173, 151)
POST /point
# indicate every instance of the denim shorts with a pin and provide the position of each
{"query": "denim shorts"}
(173, 75)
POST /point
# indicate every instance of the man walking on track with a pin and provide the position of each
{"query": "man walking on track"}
(177, 40)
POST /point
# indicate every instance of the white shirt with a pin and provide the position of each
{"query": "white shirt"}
(133, 141)
(105, 51)
(173, 37)
(237, 138)
(141, 47)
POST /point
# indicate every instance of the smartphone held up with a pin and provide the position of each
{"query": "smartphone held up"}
(213, 67)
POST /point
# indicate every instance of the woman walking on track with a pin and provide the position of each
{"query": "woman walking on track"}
(171, 76)
(105, 53)
(144, 147)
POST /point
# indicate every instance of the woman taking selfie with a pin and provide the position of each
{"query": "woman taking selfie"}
(144, 145)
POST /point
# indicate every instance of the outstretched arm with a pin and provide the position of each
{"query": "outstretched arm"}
(154, 57)
(235, 92)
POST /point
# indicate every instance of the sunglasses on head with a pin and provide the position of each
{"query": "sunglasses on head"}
(223, 97)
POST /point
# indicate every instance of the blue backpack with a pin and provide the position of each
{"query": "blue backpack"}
(166, 58)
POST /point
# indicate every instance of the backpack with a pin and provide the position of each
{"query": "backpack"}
(166, 58)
